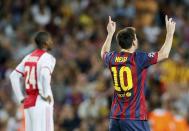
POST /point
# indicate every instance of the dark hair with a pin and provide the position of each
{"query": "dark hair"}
(41, 39)
(125, 37)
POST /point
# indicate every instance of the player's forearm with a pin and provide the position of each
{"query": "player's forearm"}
(166, 48)
(107, 44)
(16, 85)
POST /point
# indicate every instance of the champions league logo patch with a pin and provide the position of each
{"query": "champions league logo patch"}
(151, 54)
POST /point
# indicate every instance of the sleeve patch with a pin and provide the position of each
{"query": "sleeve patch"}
(151, 55)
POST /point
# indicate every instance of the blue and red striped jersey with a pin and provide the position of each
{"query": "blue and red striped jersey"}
(129, 77)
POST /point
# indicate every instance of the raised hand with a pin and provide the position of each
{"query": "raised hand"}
(164, 52)
(170, 25)
(111, 26)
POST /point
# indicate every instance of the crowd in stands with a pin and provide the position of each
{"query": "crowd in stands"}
(81, 84)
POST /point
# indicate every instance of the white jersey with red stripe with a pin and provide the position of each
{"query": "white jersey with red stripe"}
(31, 67)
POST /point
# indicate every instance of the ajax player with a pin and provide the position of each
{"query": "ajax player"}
(128, 68)
(36, 69)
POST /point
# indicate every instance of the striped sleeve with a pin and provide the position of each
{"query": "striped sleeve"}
(107, 57)
(144, 60)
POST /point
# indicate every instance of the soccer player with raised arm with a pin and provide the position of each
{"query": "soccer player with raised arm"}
(36, 69)
(128, 68)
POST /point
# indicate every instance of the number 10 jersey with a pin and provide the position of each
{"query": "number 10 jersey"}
(129, 78)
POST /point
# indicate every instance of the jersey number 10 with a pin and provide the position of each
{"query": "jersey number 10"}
(122, 86)
(30, 77)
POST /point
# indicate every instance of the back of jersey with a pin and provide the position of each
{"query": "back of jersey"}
(31, 77)
(129, 79)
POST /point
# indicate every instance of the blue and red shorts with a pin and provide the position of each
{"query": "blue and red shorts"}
(128, 125)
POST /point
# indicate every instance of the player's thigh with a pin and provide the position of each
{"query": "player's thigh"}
(114, 125)
(43, 118)
(49, 118)
(49, 122)
(134, 125)
(28, 120)
(39, 118)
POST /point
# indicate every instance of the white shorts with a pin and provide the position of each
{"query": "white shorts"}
(39, 117)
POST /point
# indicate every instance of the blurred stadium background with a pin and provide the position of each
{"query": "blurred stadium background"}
(81, 85)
